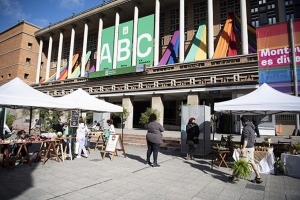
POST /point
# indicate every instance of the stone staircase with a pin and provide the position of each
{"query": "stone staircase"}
(169, 143)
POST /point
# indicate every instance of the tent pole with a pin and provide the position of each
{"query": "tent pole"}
(122, 126)
(2, 113)
(213, 143)
(30, 118)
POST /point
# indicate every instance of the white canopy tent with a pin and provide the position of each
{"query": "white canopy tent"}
(83, 101)
(265, 100)
(17, 94)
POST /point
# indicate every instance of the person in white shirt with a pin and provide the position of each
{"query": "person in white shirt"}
(82, 130)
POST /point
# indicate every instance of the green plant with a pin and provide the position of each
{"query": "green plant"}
(144, 119)
(10, 118)
(279, 167)
(49, 118)
(125, 113)
(241, 169)
(297, 146)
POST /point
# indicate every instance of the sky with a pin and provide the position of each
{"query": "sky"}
(41, 12)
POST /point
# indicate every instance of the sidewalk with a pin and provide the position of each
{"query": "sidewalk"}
(130, 178)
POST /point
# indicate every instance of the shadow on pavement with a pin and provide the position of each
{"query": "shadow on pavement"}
(137, 158)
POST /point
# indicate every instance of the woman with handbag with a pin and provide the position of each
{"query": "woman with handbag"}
(192, 131)
(82, 130)
(110, 130)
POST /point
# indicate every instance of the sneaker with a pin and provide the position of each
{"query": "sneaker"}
(86, 156)
(233, 178)
(257, 180)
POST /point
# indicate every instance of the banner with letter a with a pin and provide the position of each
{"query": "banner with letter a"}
(107, 48)
(145, 40)
(274, 55)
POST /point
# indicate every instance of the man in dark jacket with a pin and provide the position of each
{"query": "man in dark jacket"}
(192, 131)
(247, 151)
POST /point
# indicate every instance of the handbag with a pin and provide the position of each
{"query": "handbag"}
(107, 134)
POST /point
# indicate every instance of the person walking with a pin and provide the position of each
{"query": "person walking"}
(255, 123)
(82, 130)
(247, 151)
(154, 139)
(192, 131)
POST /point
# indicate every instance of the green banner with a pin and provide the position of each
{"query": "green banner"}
(125, 44)
(145, 40)
(118, 71)
(107, 48)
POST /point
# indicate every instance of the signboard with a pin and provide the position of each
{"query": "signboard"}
(274, 55)
(118, 71)
(74, 118)
(114, 143)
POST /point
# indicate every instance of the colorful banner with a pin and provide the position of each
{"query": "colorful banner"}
(125, 44)
(274, 55)
(107, 48)
(145, 41)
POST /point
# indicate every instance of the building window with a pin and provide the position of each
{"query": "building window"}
(42, 63)
(199, 13)
(9, 76)
(1, 77)
(263, 12)
(29, 45)
(229, 6)
(174, 20)
(26, 76)
(292, 9)
(162, 41)
(162, 25)
(28, 61)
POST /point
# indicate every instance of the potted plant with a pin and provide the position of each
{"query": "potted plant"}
(144, 119)
(267, 139)
(292, 149)
(297, 146)
(241, 169)
(125, 113)
(279, 167)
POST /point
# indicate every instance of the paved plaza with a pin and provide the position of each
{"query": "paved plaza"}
(131, 178)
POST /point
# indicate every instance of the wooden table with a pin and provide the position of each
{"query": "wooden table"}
(67, 147)
(221, 155)
(50, 144)
(101, 136)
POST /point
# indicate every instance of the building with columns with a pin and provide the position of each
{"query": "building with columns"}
(187, 62)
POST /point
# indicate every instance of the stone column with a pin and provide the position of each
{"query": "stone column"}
(210, 28)
(49, 57)
(70, 63)
(181, 30)
(193, 98)
(245, 48)
(127, 103)
(156, 32)
(117, 22)
(100, 28)
(38, 67)
(135, 30)
(61, 38)
(157, 103)
(85, 37)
